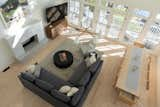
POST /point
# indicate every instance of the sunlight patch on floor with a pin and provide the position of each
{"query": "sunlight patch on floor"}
(102, 41)
(121, 54)
(104, 56)
(109, 47)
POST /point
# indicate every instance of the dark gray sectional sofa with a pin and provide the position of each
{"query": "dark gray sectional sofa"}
(47, 84)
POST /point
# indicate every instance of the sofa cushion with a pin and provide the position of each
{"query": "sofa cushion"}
(52, 79)
(93, 68)
(85, 79)
(78, 73)
(60, 96)
(44, 85)
(28, 76)
(76, 98)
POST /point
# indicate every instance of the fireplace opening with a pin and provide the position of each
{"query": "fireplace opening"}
(30, 43)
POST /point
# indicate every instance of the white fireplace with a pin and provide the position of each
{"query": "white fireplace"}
(30, 43)
(26, 40)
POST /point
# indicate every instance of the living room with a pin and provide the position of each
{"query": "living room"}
(79, 53)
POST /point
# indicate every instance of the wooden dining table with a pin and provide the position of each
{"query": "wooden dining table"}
(129, 77)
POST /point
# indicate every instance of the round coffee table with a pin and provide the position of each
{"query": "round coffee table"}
(63, 59)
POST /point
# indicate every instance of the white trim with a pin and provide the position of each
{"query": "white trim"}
(3, 20)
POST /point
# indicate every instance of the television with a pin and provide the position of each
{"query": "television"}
(56, 13)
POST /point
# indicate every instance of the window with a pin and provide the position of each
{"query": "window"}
(98, 15)
(153, 36)
(91, 1)
(142, 13)
(110, 4)
(102, 22)
(135, 27)
(87, 19)
(158, 17)
(120, 8)
(136, 24)
(104, 4)
(116, 25)
(74, 11)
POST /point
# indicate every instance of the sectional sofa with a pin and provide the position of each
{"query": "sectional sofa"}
(48, 84)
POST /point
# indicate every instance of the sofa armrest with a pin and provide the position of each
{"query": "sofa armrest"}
(93, 68)
(60, 96)
(76, 98)
(28, 76)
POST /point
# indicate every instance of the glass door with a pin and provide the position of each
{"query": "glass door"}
(88, 15)
(152, 38)
(74, 11)
(117, 23)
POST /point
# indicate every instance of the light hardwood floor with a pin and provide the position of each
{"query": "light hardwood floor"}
(103, 94)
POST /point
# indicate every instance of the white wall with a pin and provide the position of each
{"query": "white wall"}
(6, 56)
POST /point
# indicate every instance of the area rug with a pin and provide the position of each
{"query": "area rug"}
(65, 74)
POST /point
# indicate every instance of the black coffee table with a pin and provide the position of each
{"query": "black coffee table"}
(63, 64)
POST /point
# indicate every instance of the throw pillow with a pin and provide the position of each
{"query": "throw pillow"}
(72, 91)
(37, 71)
(92, 58)
(31, 69)
(34, 69)
(65, 89)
